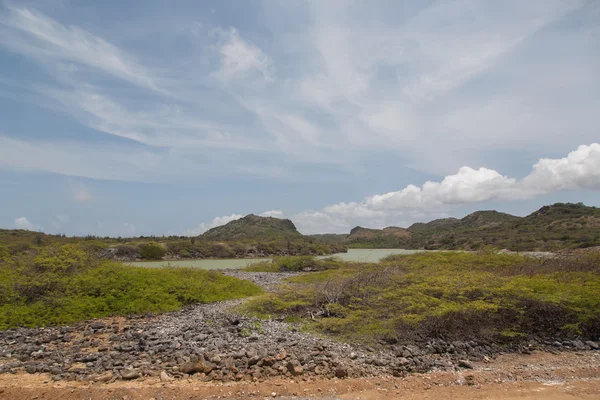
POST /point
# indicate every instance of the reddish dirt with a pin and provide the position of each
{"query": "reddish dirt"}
(537, 376)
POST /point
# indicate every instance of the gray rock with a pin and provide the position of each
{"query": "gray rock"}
(129, 374)
(592, 345)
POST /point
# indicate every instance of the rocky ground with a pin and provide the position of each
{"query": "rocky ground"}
(215, 343)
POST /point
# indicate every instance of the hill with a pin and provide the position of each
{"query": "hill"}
(248, 237)
(253, 227)
(557, 226)
(390, 237)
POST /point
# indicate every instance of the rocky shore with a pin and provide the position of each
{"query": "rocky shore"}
(213, 342)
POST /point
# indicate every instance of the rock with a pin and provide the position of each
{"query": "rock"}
(105, 377)
(295, 368)
(341, 372)
(402, 361)
(579, 345)
(129, 374)
(465, 364)
(198, 366)
(30, 369)
(281, 355)
(97, 325)
(380, 362)
(592, 345)
(164, 377)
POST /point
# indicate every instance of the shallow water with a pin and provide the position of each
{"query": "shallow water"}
(360, 255)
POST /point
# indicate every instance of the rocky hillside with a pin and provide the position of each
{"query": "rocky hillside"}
(557, 226)
(253, 227)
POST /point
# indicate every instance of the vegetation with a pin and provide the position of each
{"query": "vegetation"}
(562, 225)
(295, 264)
(172, 247)
(62, 284)
(253, 227)
(446, 295)
(152, 251)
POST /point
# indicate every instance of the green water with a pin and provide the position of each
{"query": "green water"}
(360, 255)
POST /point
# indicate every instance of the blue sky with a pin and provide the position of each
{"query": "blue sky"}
(154, 117)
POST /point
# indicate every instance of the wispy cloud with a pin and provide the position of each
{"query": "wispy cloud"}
(239, 58)
(35, 35)
(332, 81)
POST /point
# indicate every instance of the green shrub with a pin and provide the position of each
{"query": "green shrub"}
(447, 295)
(61, 285)
(152, 251)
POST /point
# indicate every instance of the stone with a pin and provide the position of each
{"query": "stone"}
(198, 366)
(341, 372)
(97, 325)
(295, 368)
(465, 364)
(105, 377)
(164, 377)
(402, 361)
(592, 345)
(129, 374)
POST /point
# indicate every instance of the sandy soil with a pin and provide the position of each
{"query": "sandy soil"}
(537, 376)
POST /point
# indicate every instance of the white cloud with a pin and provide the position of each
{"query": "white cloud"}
(23, 223)
(218, 221)
(580, 170)
(272, 213)
(239, 58)
(81, 193)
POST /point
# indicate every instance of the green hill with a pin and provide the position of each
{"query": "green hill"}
(253, 227)
(557, 226)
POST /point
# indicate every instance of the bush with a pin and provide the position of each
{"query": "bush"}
(64, 285)
(448, 295)
(152, 251)
(295, 264)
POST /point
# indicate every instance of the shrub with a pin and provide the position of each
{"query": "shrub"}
(152, 251)
(448, 295)
(63, 285)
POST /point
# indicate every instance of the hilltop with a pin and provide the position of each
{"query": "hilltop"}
(552, 227)
(253, 227)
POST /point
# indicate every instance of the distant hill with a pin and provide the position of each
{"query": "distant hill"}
(561, 225)
(253, 227)
(390, 237)
(331, 238)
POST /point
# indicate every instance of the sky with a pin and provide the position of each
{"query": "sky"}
(168, 118)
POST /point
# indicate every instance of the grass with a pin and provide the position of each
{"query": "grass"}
(446, 295)
(61, 285)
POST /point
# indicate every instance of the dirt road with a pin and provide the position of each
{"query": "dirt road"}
(567, 375)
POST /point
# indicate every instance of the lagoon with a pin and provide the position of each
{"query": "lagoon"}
(357, 255)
